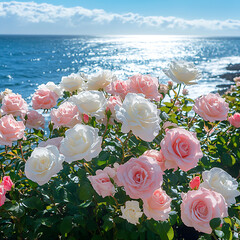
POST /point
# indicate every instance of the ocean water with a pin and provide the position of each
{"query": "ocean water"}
(28, 61)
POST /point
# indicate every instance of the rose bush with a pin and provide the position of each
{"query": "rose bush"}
(118, 160)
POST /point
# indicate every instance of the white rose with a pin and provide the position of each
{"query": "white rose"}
(100, 80)
(43, 164)
(80, 142)
(92, 103)
(52, 87)
(220, 181)
(131, 212)
(72, 82)
(183, 72)
(5, 93)
(139, 115)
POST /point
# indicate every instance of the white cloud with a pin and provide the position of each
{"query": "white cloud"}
(47, 13)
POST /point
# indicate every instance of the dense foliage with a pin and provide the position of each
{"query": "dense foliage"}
(68, 207)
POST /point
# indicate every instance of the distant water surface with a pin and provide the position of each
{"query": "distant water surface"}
(28, 61)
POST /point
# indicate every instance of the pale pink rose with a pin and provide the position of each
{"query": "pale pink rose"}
(145, 84)
(158, 156)
(85, 118)
(238, 84)
(112, 102)
(7, 183)
(200, 206)
(118, 88)
(195, 182)
(185, 92)
(102, 184)
(44, 99)
(66, 115)
(10, 130)
(170, 83)
(140, 176)
(2, 195)
(236, 79)
(169, 124)
(181, 148)
(53, 141)
(14, 104)
(163, 88)
(211, 107)
(34, 120)
(157, 206)
(235, 120)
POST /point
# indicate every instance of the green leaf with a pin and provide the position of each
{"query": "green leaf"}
(227, 231)
(219, 233)
(215, 222)
(66, 225)
(33, 203)
(85, 192)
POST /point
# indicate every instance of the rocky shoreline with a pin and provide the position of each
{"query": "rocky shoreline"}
(234, 71)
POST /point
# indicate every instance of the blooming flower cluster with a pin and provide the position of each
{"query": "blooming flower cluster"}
(94, 115)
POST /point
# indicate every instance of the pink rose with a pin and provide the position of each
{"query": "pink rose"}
(140, 177)
(44, 99)
(185, 91)
(53, 141)
(195, 182)
(34, 120)
(211, 107)
(66, 115)
(10, 130)
(170, 83)
(181, 148)
(7, 183)
(157, 206)
(102, 184)
(112, 102)
(14, 104)
(85, 118)
(235, 120)
(118, 87)
(158, 156)
(200, 206)
(2, 195)
(145, 84)
(163, 88)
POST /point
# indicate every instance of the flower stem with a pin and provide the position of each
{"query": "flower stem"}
(175, 98)
(20, 146)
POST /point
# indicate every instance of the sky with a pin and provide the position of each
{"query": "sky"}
(120, 17)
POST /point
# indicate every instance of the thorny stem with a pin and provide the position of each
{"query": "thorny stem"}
(214, 236)
(116, 201)
(20, 146)
(192, 120)
(175, 98)
(6, 150)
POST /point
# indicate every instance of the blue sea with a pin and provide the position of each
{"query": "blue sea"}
(28, 61)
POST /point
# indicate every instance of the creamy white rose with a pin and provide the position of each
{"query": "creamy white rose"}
(43, 164)
(139, 115)
(52, 87)
(80, 142)
(183, 72)
(131, 212)
(72, 82)
(220, 181)
(92, 103)
(100, 80)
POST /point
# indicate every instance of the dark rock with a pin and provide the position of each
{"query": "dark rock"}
(233, 67)
(230, 76)
(225, 85)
